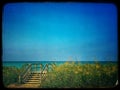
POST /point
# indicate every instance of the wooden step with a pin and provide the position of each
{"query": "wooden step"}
(28, 85)
(35, 78)
(33, 82)
(39, 72)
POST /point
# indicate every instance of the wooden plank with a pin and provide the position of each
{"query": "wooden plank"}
(42, 71)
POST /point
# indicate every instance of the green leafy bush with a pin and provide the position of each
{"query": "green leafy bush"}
(10, 75)
(71, 75)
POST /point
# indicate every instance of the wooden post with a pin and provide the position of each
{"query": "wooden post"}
(30, 70)
(19, 79)
(40, 71)
(47, 68)
(40, 67)
(35, 67)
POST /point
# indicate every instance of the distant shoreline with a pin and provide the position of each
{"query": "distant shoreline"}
(20, 63)
(64, 61)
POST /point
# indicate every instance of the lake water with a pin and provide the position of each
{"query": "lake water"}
(20, 63)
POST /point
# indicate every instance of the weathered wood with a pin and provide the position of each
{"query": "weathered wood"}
(19, 78)
(40, 69)
(24, 74)
(35, 67)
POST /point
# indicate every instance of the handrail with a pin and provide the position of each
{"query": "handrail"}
(24, 75)
(53, 65)
(44, 71)
(25, 69)
(28, 70)
(35, 67)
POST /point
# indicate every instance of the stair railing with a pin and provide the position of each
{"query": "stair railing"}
(43, 72)
(25, 74)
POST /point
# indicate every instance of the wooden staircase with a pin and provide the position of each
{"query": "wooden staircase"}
(34, 79)
(31, 77)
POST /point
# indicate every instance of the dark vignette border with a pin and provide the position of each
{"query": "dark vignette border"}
(3, 3)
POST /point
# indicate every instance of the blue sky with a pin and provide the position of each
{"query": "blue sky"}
(59, 31)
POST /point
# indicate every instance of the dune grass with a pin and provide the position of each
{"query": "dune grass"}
(71, 75)
(10, 74)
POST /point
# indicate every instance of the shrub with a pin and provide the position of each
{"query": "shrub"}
(10, 75)
(71, 75)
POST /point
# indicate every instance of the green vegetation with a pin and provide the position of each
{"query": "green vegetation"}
(71, 75)
(10, 74)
